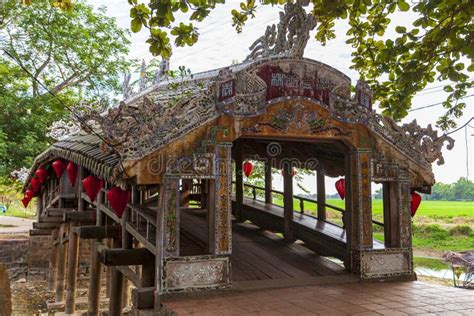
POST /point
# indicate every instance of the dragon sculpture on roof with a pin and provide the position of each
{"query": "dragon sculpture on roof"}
(289, 38)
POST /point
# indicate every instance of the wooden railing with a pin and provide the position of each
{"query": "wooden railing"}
(253, 189)
(144, 221)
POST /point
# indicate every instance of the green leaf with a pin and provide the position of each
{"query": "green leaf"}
(400, 29)
(136, 25)
(403, 6)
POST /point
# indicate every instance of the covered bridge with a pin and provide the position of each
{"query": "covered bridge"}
(157, 181)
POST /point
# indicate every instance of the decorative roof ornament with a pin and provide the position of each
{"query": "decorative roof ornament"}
(143, 76)
(426, 141)
(162, 71)
(289, 38)
(126, 86)
(61, 130)
(21, 174)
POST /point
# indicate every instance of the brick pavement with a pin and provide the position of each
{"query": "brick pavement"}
(397, 298)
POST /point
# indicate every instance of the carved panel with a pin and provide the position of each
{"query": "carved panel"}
(223, 228)
(386, 263)
(170, 209)
(294, 119)
(195, 272)
(197, 166)
(360, 195)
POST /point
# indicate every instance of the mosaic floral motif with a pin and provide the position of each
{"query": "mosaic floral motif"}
(188, 273)
(296, 119)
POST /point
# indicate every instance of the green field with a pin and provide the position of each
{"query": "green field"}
(17, 210)
(434, 209)
(437, 226)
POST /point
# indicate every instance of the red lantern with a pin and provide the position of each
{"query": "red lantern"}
(30, 194)
(35, 184)
(248, 167)
(118, 200)
(41, 174)
(59, 166)
(414, 202)
(341, 188)
(92, 186)
(72, 172)
(25, 201)
(293, 172)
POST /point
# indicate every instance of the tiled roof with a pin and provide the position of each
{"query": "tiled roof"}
(84, 150)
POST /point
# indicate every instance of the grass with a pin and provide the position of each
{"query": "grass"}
(434, 209)
(17, 210)
(430, 263)
(438, 225)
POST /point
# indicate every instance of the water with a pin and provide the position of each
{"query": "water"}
(440, 274)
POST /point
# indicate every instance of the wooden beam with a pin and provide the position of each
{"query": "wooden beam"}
(124, 257)
(97, 232)
(143, 298)
(239, 181)
(58, 211)
(40, 232)
(46, 225)
(141, 239)
(79, 216)
(130, 275)
(321, 195)
(49, 219)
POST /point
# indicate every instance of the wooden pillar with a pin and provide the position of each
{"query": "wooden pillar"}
(73, 252)
(268, 182)
(321, 195)
(147, 275)
(239, 182)
(61, 264)
(160, 219)
(108, 272)
(116, 289)
(39, 205)
(53, 260)
(95, 277)
(211, 215)
(358, 184)
(287, 201)
(127, 242)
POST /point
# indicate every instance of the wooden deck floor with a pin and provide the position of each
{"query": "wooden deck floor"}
(257, 254)
(322, 237)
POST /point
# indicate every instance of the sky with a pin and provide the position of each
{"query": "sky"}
(219, 45)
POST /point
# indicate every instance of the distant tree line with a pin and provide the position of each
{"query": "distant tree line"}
(461, 190)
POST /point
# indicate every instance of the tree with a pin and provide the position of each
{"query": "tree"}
(80, 48)
(78, 55)
(435, 47)
(463, 190)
